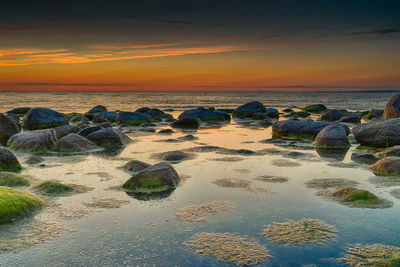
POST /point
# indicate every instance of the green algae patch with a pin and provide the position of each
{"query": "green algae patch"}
(299, 233)
(199, 213)
(353, 197)
(330, 183)
(372, 255)
(14, 203)
(229, 248)
(12, 180)
(53, 188)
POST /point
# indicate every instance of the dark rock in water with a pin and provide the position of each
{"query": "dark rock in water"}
(391, 151)
(89, 116)
(259, 116)
(332, 115)
(316, 108)
(298, 114)
(301, 129)
(173, 156)
(34, 160)
(132, 118)
(43, 118)
(392, 109)
(109, 138)
(160, 177)
(333, 153)
(8, 162)
(266, 122)
(226, 110)
(273, 141)
(188, 137)
(14, 118)
(352, 117)
(86, 131)
(272, 113)
(389, 166)
(19, 111)
(135, 166)
(143, 109)
(146, 130)
(109, 115)
(382, 133)
(97, 109)
(154, 113)
(79, 120)
(64, 130)
(186, 123)
(354, 197)
(374, 113)
(7, 129)
(287, 110)
(74, 143)
(33, 141)
(248, 109)
(333, 136)
(206, 115)
(364, 158)
(105, 124)
(99, 119)
(166, 131)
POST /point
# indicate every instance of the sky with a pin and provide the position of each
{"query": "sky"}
(199, 45)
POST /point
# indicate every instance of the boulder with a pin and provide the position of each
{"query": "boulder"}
(160, 177)
(352, 117)
(79, 120)
(206, 115)
(272, 113)
(21, 111)
(8, 162)
(389, 166)
(43, 118)
(301, 129)
(259, 116)
(86, 131)
(315, 108)
(109, 138)
(381, 133)
(173, 156)
(333, 136)
(132, 118)
(97, 109)
(135, 166)
(248, 109)
(391, 151)
(166, 131)
(33, 141)
(374, 113)
(332, 115)
(64, 130)
(109, 115)
(74, 143)
(99, 119)
(186, 123)
(105, 124)
(392, 109)
(363, 158)
(7, 129)
(15, 119)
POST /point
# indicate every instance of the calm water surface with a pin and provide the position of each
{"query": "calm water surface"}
(144, 233)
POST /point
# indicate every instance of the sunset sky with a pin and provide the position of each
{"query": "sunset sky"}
(199, 45)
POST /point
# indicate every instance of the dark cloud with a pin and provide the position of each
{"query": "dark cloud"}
(271, 36)
(380, 31)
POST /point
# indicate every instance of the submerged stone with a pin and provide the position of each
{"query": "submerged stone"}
(135, 166)
(186, 123)
(359, 198)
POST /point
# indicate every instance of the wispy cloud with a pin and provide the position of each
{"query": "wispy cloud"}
(377, 32)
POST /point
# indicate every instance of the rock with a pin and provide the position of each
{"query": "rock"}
(160, 177)
(7, 129)
(15, 119)
(338, 154)
(19, 111)
(188, 137)
(43, 118)
(99, 119)
(33, 141)
(16, 204)
(132, 118)
(34, 160)
(97, 109)
(374, 113)
(391, 151)
(135, 166)
(8, 162)
(105, 124)
(272, 113)
(332, 115)
(173, 156)
(64, 130)
(301, 129)
(316, 108)
(79, 120)
(166, 131)
(109, 115)
(187, 123)
(248, 109)
(109, 138)
(381, 133)
(86, 131)
(74, 143)
(389, 166)
(146, 130)
(333, 136)
(364, 158)
(226, 110)
(266, 122)
(287, 110)
(354, 197)
(352, 117)
(259, 116)
(298, 114)
(206, 115)
(392, 109)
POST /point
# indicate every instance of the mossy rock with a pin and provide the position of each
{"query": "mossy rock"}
(317, 108)
(14, 203)
(298, 114)
(287, 110)
(12, 180)
(226, 110)
(54, 188)
(353, 197)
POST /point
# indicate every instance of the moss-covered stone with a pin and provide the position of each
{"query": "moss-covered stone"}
(14, 203)
(54, 188)
(8, 162)
(12, 180)
(317, 108)
(353, 197)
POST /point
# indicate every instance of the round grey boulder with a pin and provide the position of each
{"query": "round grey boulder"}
(332, 115)
(43, 118)
(248, 109)
(332, 136)
(187, 123)
(74, 143)
(33, 141)
(389, 166)
(381, 133)
(109, 138)
(64, 130)
(135, 166)
(132, 118)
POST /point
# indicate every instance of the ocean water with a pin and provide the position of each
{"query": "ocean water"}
(144, 232)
